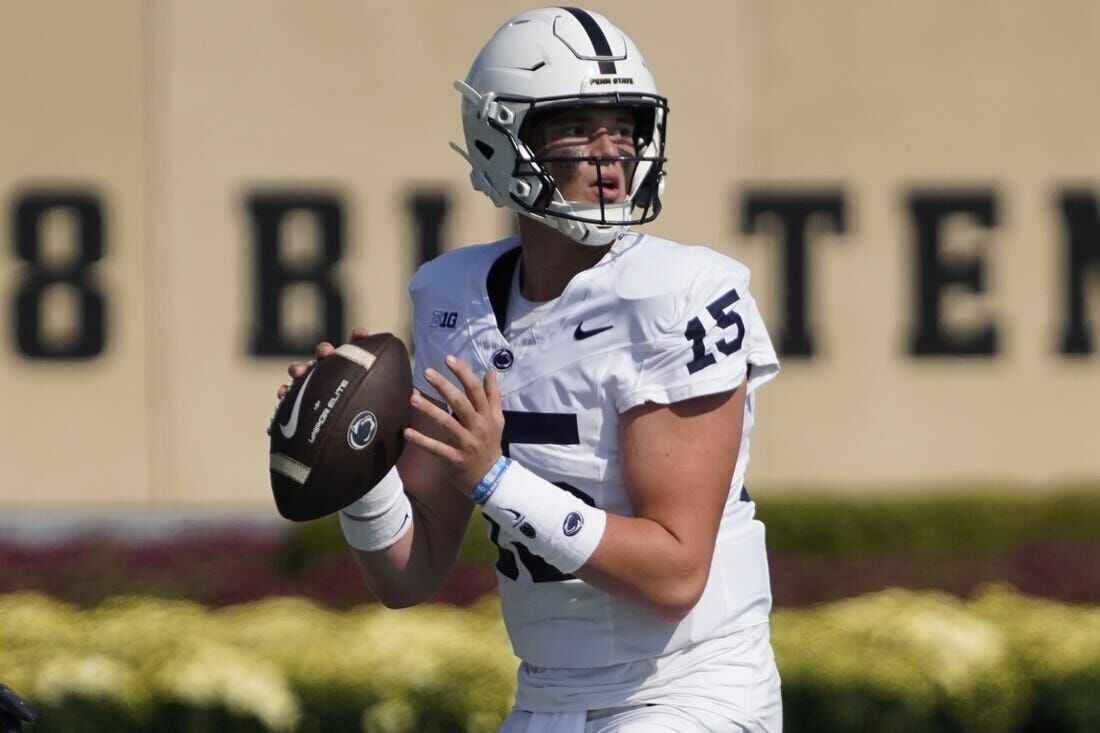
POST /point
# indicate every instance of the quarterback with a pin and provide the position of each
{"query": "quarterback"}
(591, 390)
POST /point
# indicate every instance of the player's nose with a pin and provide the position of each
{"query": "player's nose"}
(602, 144)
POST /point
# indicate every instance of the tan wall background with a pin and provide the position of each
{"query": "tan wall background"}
(172, 111)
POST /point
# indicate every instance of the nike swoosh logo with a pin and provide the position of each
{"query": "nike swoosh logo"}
(516, 515)
(354, 518)
(580, 334)
(403, 523)
(291, 425)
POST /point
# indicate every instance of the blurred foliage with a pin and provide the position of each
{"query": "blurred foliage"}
(1059, 646)
(943, 521)
(1066, 569)
(139, 664)
(821, 548)
(898, 661)
(824, 547)
(308, 540)
(820, 523)
(895, 660)
(219, 567)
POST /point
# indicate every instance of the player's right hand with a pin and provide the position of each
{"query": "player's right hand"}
(297, 369)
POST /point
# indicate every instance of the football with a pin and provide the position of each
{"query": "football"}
(339, 429)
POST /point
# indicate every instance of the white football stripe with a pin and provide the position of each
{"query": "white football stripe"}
(289, 467)
(362, 357)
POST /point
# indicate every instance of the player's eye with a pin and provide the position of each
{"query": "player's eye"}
(567, 133)
(624, 134)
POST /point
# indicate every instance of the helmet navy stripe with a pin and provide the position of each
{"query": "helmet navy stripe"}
(599, 41)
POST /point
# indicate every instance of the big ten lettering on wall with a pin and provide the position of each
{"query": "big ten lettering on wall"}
(1076, 209)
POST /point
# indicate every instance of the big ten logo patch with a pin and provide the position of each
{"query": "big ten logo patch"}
(443, 319)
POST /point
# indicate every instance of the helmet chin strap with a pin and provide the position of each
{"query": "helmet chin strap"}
(590, 232)
(586, 233)
(592, 235)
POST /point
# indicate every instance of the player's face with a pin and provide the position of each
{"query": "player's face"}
(602, 135)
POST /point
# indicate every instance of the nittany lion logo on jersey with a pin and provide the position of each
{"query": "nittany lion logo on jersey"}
(572, 524)
(362, 430)
(503, 359)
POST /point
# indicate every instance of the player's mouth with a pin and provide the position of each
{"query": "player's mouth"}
(607, 188)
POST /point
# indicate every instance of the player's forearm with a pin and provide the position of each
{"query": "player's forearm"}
(641, 561)
(404, 547)
(410, 571)
(387, 573)
(635, 558)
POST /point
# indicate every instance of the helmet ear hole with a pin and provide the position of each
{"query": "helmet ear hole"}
(644, 122)
(650, 189)
(485, 149)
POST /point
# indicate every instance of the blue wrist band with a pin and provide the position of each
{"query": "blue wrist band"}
(488, 484)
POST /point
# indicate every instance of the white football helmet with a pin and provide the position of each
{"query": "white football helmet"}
(547, 60)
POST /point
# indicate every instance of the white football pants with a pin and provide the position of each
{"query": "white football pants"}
(642, 719)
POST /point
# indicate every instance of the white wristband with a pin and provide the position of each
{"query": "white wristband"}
(550, 521)
(380, 518)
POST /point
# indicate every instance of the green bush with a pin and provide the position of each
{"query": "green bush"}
(903, 660)
(952, 521)
(896, 660)
(1059, 646)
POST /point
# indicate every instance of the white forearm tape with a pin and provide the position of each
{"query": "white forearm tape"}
(550, 521)
(380, 518)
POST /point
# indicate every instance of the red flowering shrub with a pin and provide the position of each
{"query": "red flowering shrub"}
(820, 549)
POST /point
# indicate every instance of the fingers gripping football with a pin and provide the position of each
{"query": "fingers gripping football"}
(473, 428)
(297, 369)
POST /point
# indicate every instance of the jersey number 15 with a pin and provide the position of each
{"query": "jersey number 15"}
(721, 310)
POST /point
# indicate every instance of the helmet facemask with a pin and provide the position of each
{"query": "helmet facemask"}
(639, 167)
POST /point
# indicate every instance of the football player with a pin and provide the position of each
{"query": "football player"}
(591, 389)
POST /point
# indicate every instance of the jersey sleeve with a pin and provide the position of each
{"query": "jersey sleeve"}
(427, 349)
(715, 341)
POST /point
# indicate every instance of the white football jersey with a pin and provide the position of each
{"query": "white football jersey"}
(653, 321)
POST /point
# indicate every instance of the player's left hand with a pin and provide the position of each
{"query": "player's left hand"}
(473, 429)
